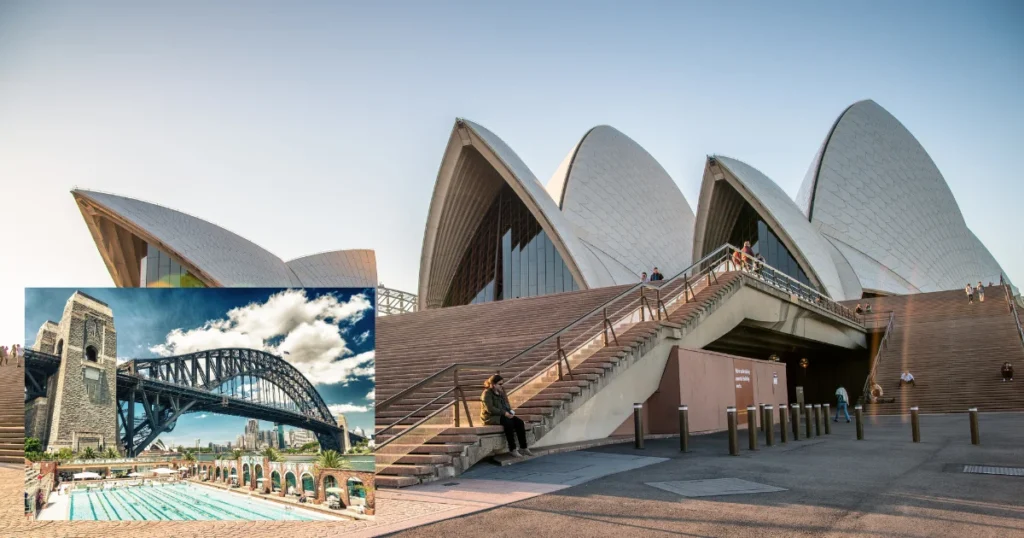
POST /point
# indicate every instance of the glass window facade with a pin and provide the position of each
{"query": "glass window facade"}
(750, 227)
(509, 257)
(158, 270)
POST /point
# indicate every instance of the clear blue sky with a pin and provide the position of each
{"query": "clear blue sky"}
(162, 322)
(312, 126)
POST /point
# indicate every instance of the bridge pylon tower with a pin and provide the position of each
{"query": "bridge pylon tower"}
(83, 408)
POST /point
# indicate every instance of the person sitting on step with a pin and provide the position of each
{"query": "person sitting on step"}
(497, 410)
(1007, 371)
(907, 379)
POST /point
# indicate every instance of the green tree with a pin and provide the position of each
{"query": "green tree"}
(362, 447)
(111, 453)
(190, 456)
(271, 454)
(65, 454)
(330, 459)
(33, 445)
(312, 446)
(88, 454)
(236, 453)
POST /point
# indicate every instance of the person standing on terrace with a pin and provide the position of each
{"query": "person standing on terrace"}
(497, 410)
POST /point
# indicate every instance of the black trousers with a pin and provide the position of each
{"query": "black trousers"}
(514, 427)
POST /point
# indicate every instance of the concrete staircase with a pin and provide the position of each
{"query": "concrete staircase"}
(439, 450)
(12, 414)
(955, 351)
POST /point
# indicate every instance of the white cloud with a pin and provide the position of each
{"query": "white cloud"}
(204, 415)
(308, 333)
(372, 395)
(339, 371)
(362, 337)
(337, 409)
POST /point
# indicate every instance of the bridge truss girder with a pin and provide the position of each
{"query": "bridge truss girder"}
(211, 369)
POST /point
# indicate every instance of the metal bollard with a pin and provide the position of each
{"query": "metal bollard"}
(684, 428)
(859, 413)
(769, 426)
(826, 411)
(975, 433)
(752, 427)
(783, 427)
(796, 421)
(638, 425)
(734, 445)
(760, 416)
(817, 420)
(915, 424)
(808, 413)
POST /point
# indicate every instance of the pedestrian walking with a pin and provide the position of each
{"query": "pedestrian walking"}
(3, 355)
(981, 293)
(842, 403)
(970, 293)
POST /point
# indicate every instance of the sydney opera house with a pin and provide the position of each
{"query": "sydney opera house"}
(873, 217)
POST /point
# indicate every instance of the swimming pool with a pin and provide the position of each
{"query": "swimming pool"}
(178, 502)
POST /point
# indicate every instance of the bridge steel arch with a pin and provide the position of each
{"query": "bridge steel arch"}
(168, 387)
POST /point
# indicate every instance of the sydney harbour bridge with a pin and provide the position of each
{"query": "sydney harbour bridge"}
(151, 394)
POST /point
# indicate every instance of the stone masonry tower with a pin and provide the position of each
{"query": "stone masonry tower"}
(84, 410)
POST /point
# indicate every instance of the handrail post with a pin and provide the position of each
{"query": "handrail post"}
(643, 301)
(610, 327)
(457, 390)
(660, 304)
(562, 357)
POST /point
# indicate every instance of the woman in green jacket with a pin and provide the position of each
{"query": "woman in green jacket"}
(496, 410)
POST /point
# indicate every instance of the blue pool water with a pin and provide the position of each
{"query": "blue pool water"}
(178, 502)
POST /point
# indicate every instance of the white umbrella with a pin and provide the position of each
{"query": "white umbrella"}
(260, 479)
(163, 470)
(85, 475)
(136, 474)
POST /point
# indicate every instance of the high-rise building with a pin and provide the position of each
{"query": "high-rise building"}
(297, 438)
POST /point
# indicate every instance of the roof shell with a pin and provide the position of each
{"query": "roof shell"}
(624, 206)
(875, 189)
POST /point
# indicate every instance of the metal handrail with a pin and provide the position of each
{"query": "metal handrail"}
(792, 286)
(878, 355)
(440, 373)
(390, 401)
(1013, 310)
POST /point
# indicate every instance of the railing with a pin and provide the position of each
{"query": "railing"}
(679, 290)
(391, 302)
(1013, 310)
(884, 344)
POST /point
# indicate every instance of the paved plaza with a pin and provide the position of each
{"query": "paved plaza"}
(827, 486)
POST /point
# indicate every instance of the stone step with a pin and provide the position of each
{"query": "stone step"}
(385, 481)
(404, 470)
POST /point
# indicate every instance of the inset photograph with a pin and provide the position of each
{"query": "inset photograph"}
(199, 403)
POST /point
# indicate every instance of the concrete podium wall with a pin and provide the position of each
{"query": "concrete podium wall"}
(707, 382)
